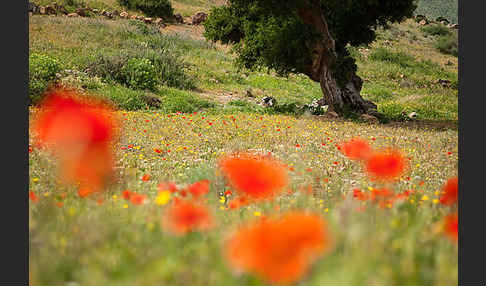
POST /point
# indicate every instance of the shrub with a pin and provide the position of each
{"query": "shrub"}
(108, 66)
(436, 30)
(401, 59)
(140, 74)
(176, 100)
(151, 8)
(42, 70)
(124, 98)
(170, 70)
(448, 45)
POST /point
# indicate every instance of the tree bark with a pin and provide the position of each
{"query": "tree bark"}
(323, 56)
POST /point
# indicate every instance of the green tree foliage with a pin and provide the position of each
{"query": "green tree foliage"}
(270, 33)
(151, 8)
(306, 36)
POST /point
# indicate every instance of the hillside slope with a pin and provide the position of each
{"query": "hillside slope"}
(439, 8)
(400, 70)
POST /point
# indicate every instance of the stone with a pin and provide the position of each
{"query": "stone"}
(148, 20)
(133, 17)
(81, 12)
(178, 18)
(42, 10)
(73, 15)
(124, 15)
(199, 17)
(419, 18)
(423, 22)
(442, 20)
(269, 101)
(141, 18)
(50, 10)
(158, 21)
(444, 82)
(152, 100)
(34, 8)
(96, 11)
(412, 115)
(369, 118)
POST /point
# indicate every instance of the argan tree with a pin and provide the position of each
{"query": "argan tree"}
(308, 37)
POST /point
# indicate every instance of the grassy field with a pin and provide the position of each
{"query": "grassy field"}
(400, 70)
(117, 243)
(205, 115)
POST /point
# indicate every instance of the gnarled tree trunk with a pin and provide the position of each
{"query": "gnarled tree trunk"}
(323, 56)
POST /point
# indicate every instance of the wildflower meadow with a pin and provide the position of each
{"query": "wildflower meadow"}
(206, 198)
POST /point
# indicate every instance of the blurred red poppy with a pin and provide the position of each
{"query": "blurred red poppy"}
(385, 165)
(281, 249)
(450, 194)
(255, 176)
(186, 216)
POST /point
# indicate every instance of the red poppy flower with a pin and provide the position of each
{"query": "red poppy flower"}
(358, 194)
(137, 199)
(356, 149)
(80, 132)
(237, 203)
(254, 175)
(186, 216)
(146, 177)
(84, 192)
(227, 193)
(170, 186)
(281, 249)
(33, 197)
(126, 194)
(451, 226)
(450, 192)
(199, 188)
(385, 165)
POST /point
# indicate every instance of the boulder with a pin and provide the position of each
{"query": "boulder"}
(453, 26)
(178, 18)
(124, 15)
(81, 12)
(50, 10)
(412, 115)
(444, 82)
(369, 118)
(268, 101)
(442, 20)
(152, 100)
(199, 17)
(419, 18)
(34, 8)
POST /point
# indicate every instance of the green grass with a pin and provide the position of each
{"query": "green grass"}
(213, 72)
(117, 243)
